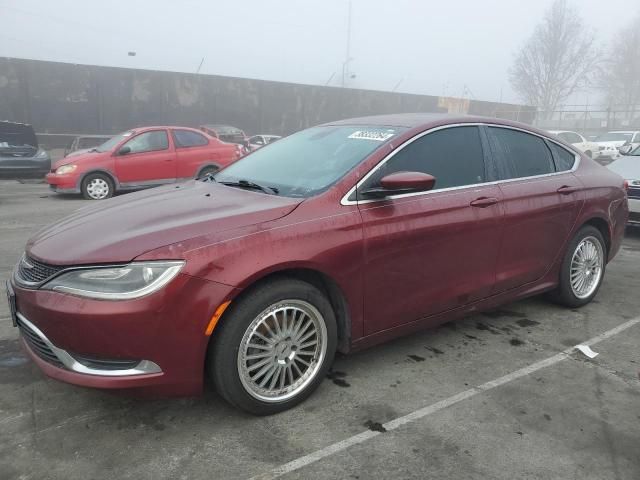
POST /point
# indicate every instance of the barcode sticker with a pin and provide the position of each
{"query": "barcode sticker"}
(377, 135)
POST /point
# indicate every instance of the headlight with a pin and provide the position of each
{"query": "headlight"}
(66, 169)
(116, 283)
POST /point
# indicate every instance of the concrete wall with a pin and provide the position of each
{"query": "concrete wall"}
(67, 98)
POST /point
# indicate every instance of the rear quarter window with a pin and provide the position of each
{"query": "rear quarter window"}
(563, 158)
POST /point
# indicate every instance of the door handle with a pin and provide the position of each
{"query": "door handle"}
(567, 190)
(484, 202)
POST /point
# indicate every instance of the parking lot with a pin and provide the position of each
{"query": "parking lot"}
(497, 395)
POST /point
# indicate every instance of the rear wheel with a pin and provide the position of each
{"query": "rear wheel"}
(583, 268)
(274, 348)
(97, 186)
(207, 171)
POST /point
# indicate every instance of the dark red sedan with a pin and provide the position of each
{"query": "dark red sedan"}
(338, 237)
(141, 158)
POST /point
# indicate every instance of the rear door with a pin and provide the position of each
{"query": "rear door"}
(151, 160)
(542, 199)
(193, 151)
(431, 251)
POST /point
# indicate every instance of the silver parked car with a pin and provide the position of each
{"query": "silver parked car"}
(628, 167)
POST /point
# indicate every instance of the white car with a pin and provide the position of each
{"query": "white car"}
(258, 141)
(578, 141)
(609, 143)
(628, 167)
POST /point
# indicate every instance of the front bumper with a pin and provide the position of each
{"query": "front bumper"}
(62, 183)
(165, 330)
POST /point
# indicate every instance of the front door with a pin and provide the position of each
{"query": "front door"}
(150, 160)
(432, 251)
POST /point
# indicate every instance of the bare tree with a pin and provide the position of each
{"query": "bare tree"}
(620, 77)
(559, 59)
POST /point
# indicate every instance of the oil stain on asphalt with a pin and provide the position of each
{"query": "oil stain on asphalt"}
(375, 426)
(337, 378)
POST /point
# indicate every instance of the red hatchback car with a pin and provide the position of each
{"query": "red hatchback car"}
(338, 237)
(141, 158)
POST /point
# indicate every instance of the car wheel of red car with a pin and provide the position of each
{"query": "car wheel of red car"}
(97, 186)
(275, 347)
(583, 268)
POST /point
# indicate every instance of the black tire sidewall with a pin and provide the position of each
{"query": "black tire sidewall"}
(92, 176)
(223, 352)
(565, 292)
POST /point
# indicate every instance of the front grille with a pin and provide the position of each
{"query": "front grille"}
(33, 271)
(634, 217)
(37, 345)
(633, 192)
(106, 364)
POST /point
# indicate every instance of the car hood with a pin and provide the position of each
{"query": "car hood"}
(627, 167)
(120, 229)
(80, 157)
(18, 135)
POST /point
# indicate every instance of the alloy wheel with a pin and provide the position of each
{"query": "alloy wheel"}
(586, 267)
(282, 350)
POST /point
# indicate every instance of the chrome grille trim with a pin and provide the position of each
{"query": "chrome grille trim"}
(40, 345)
(33, 273)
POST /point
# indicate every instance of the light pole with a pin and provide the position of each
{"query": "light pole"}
(345, 64)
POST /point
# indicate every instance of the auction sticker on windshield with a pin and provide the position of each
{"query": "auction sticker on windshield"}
(377, 135)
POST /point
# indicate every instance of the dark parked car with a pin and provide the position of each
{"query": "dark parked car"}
(226, 133)
(338, 237)
(20, 155)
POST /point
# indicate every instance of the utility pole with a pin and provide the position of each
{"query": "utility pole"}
(345, 64)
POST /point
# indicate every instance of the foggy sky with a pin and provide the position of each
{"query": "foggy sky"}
(430, 47)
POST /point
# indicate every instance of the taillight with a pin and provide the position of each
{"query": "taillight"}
(626, 185)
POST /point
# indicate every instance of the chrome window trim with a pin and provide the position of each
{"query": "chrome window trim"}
(70, 363)
(345, 199)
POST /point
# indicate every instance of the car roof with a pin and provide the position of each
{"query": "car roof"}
(429, 120)
(555, 132)
(623, 131)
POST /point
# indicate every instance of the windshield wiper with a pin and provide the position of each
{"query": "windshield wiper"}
(250, 185)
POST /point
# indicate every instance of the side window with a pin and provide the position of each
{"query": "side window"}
(454, 156)
(566, 136)
(637, 138)
(574, 138)
(520, 154)
(564, 159)
(149, 142)
(187, 138)
(257, 141)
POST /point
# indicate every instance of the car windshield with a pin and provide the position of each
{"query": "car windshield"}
(634, 153)
(309, 161)
(113, 141)
(614, 137)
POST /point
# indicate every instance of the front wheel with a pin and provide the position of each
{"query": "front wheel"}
(274, 348)
(583, 268)
(97, 186)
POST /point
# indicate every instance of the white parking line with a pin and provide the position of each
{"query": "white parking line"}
(430, 409)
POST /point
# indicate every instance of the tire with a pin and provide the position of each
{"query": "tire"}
(594, 252)
(302, 314)
(206, 171)
(97, 186)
